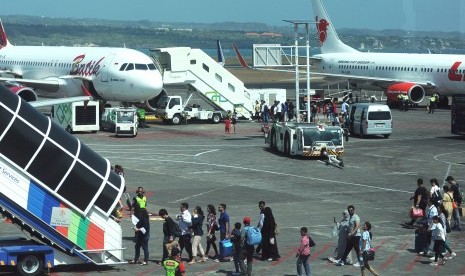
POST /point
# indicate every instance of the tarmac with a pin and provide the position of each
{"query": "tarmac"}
(198, 164)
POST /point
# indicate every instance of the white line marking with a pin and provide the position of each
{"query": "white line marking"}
(189, 197)
(270, 172)
(208, 151)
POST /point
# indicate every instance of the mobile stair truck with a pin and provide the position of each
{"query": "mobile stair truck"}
(306, 139)
(57, 190)
(171, 109)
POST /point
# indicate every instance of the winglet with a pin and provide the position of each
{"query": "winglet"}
(239, 56)
(3, 38)
(221, 60)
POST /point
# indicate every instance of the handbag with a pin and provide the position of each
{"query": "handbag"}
(370, 254)
(416, 213)
(454, 204)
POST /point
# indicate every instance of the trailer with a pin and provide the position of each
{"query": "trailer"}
(123, 121)
(305, 139)
(57, 190)
(77, 116)
(171, 109)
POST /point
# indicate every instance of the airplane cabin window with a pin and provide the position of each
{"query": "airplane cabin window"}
(141, 66)
(152, 66)
(123, 67)
(130, 67)
(205, 67)
(193, 61)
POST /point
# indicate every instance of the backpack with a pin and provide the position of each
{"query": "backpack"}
(177, 231)
(236, 238)
(266, 109)
(253, 236)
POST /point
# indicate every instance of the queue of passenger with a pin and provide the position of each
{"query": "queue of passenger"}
(432, 215)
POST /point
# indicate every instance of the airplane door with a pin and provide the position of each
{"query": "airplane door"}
(372, 69)
(106, 67)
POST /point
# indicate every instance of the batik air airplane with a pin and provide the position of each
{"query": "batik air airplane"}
(395, 73)
(110, 74)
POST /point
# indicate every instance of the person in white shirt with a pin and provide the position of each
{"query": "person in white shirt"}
(438, 233)
(185, 221)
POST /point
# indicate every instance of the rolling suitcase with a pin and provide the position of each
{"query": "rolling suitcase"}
(226, 248)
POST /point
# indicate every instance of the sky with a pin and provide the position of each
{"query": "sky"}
(414, 15)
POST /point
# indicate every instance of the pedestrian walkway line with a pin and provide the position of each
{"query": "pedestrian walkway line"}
(321, 251)
(282, 259)
(413, 263)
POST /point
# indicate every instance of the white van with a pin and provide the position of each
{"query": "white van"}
(370, 119)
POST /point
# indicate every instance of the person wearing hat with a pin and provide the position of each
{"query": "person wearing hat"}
(249, 249)
(455, 188)
(174, 265)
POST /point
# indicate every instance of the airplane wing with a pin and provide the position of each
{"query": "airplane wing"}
(50, 102)
(374, 81)
(50, 85)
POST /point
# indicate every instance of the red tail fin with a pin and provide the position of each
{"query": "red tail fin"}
(239, 56)
(3, 39)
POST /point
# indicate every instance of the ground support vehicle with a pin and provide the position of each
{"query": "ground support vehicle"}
(121, 120)
(77, 116)
(57, 190)
(306, 139)
(171, 109)
(458, 115)
(370, 119)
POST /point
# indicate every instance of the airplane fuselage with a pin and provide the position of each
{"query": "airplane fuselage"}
(115, 74)
(445, 72)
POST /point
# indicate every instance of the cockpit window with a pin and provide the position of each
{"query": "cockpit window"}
(123, 67)
(141, 66)
(152, 66)
(130, 67)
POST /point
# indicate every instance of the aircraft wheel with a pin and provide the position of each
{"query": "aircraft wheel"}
(30, 265)
(386, 136)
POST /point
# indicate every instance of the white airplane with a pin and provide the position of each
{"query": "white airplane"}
(395, 73)
(110, 74)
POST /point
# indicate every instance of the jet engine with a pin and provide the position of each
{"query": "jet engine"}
(415, 92)
(26, 93)
(151, 105)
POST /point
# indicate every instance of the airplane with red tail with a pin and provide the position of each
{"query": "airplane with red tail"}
(415, 75)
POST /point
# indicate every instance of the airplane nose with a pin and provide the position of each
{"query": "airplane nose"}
(157, 82)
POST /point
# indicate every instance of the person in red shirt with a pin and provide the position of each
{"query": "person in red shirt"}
(303, 252)
(227, 125)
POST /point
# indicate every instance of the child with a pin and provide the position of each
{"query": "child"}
(227, 125)
(303, 252)
(236, 239)
(439, 238)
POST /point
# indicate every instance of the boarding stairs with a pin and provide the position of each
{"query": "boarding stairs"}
(194, 68)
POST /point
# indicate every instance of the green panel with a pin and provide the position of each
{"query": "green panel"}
(73, 228)
(82, 232)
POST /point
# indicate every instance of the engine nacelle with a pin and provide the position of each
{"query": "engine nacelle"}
(151, 105)
(26, 93)
(415, 92)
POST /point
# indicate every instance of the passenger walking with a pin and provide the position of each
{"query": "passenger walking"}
(169, 236)
(455, 187)
(365, 245)
(420, 198)
(269, 242)
(353, 236)
(447, 201)
(261, 218)
(439, 238)
(238, 243)
(303, 253)
(224, 225)
(212, 224)
(247, 249)
(185, 221)
(431, 211)
(197, 223)
(142, 231)
(442, 219)
(435, 192)
(290, 110)
(174, 266)
(342, 234)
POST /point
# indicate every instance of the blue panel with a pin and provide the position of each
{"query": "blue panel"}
(35, 200)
